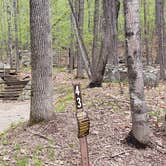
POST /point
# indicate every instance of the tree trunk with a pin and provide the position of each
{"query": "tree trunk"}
(15, 5)
(80, 18)
(71, 49)
(146, 33)
(89, 15)
(140, 130)
(9, 23)
(161, 37)
(95, 53)
(41, 58)
(108, 45)
(81, 44)
(113, 11)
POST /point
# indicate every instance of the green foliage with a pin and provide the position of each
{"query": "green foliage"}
(62, 102)
(60, 22)
(157, 114)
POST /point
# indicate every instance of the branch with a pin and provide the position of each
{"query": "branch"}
(60, 19)
(81, 43)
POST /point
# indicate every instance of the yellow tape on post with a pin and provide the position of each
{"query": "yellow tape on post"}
(83, 125)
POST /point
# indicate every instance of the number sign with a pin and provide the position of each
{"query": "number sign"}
(78, 98)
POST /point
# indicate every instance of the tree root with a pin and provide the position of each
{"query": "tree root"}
(132, 141)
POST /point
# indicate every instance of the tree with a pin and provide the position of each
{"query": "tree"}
(80, 40)
(96, 69)
(9, 24)
(140, 130)
(41, 59)
(15, 6)
(146, 33)
(80, 20)
(108, 48)
(71, 49)
(161, 37)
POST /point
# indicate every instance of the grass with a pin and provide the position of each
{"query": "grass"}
(58, 70)
(23, 161)
(62, 102)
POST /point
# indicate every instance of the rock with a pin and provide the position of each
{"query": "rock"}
(151, 76)
(26, 63)
(114, 73)
(25, 58)
(1, 65)
(1, 80)
(26, 94)
(4, 65)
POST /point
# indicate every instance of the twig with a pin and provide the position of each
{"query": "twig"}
(109, 157)
(118, 154)
(40, 135)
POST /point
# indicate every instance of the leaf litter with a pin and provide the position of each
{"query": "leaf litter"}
(56, 143)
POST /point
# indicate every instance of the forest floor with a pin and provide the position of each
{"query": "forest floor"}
(56, 144)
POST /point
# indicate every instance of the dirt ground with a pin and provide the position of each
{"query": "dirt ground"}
(56, 144)
(12, 113)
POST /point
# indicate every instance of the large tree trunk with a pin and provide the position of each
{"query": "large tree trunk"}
(140, 129)
(41, 58)
(161, 37)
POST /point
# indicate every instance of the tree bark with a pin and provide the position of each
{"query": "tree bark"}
(146, 33)
(71, 49)
(108, 44)
(9, 24)
(81, 44)
(41, 59)
(140, 130)
(80, 19)
(113, 11)
(95, 53)
(15, 6)
(161, 37)
(89, 16)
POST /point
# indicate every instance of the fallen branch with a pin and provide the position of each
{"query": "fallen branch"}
(40, 135)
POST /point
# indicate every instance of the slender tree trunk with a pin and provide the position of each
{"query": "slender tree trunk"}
(161, 37)
(80, 18)
(89, 15)
(95, 53)
(15, 5)
(140, 130)
(9, 43)
(41, 58)
(71, 49)
(146, 33)
(81, 44)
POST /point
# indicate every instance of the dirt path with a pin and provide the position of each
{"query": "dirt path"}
(13, 112)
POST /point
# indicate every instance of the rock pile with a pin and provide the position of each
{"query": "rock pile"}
(119, 73)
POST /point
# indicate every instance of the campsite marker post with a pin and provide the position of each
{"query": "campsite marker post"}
(83, 125)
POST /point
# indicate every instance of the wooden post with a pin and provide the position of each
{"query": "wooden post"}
(83, 125)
